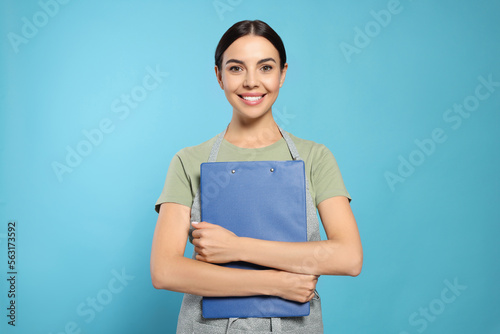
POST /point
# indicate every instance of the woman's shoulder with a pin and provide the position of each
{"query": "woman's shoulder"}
(197, 152)
(308, 148)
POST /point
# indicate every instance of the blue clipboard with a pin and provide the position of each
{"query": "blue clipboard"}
(256, 199)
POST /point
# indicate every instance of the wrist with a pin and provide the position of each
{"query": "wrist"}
(270, 282)
(242, 250)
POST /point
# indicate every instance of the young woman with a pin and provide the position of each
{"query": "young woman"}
(250, 66)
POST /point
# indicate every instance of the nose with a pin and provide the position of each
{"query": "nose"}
(251, 80)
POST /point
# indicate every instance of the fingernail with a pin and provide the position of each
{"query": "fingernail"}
(194, 223)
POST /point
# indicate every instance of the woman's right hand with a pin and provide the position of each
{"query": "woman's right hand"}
(296, 287)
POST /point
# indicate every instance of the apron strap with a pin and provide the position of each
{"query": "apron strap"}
(216, 146)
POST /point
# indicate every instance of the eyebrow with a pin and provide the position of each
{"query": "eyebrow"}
(258, 63)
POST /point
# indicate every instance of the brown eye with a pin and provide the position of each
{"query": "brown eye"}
(235, 69)
(267, 68)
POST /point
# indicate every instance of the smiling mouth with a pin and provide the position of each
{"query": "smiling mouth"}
(252, 98)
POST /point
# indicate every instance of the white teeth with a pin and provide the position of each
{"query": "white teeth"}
(252, 98)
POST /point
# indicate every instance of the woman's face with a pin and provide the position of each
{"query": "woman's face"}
(250, 75)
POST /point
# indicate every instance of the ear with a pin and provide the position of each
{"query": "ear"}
(218, 74)
(283, 74)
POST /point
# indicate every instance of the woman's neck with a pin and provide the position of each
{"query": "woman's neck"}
(257, 133)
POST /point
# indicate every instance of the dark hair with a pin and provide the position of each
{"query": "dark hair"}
(244, 28)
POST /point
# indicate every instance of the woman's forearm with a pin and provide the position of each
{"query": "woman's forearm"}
(326, 257)
(204, 279)
(341, 254)
(186, 275)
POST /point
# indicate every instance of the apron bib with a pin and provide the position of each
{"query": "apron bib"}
(190, 316)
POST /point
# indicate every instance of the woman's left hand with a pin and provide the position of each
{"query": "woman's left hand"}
(214, 243)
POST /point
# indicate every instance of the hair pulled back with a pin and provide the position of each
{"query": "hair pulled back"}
(247, 27)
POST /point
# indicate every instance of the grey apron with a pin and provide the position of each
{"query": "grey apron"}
(190, 318)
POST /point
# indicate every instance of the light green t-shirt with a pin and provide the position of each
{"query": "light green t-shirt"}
(183, 176)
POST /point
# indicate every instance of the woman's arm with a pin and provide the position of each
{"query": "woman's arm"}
(170, 270)
(341, 254)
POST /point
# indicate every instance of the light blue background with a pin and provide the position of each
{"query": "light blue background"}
(74, 235)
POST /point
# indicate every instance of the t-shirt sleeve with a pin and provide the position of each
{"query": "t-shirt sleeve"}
(177, 188)
(326, 176)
